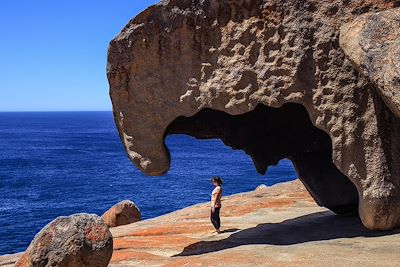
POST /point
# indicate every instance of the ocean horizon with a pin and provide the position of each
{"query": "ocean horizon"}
(61, 163)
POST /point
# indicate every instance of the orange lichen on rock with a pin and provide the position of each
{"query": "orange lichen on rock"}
(126, 255)
(252, 207)
(173, 229)
(273, 226)
(161, 241)
(76, 240)
(276, 226)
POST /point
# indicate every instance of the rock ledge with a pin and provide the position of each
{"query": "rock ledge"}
(276, 226)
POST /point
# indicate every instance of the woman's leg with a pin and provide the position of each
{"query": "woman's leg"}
(218, 219)
(215, 219)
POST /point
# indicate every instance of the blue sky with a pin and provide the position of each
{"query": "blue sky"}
(53, 53)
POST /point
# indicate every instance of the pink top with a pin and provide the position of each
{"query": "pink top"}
(216, 197)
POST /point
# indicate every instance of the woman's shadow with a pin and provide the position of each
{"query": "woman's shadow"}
(313, 227)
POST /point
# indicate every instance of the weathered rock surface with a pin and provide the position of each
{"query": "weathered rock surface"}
(276, 226)
(268, 77)
(80, 240)
(122, 213)
(372, 44)
(261, 187)
(9, 260)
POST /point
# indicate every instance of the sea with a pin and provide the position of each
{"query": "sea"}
(61, 163)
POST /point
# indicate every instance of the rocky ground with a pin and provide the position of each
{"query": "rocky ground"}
(274, 226)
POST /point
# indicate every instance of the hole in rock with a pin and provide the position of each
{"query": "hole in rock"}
(269, 135)
(188, 180)
(195, 162)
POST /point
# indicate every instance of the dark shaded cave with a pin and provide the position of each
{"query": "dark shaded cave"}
(271, 134)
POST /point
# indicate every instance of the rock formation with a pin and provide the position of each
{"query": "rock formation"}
(372, 44)
(80, 240)
(261, 187)
(122, 213)
(268, 77)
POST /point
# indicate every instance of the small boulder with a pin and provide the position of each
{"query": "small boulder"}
(260, 187)
(81, 240)
(122, 213)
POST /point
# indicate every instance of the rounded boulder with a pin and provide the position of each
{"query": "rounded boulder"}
(81, 240)
(122, 213)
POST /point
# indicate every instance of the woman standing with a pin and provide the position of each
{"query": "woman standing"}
(216, 203)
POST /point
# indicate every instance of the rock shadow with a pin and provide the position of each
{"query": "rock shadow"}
(312, 227)
(230, 230)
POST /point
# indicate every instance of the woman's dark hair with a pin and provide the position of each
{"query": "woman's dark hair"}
(217, 179)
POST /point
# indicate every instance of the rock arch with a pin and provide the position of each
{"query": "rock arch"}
(181, 57)
(271, 134)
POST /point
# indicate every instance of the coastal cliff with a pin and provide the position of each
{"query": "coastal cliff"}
(273, 226)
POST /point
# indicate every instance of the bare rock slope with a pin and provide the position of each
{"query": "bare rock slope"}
(268, 77)
(274, 226)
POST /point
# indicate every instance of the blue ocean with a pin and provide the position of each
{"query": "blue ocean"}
(62, 163)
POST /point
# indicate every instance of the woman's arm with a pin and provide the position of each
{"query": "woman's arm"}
(216, 195)
(213, 204)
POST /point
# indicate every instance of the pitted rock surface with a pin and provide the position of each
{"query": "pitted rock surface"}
(246, 72)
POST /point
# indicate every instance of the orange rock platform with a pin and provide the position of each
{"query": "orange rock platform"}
(275, 226)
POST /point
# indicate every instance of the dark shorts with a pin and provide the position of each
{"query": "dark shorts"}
(215, 219)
